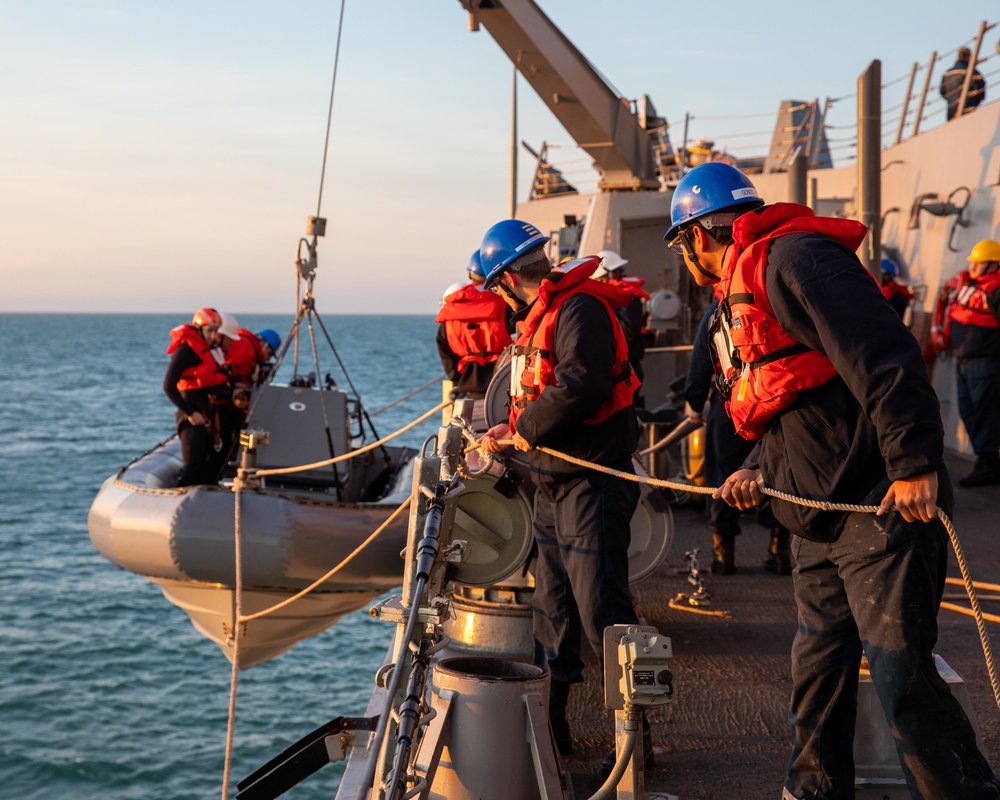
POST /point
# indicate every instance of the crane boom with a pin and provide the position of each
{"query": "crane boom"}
(600, 120)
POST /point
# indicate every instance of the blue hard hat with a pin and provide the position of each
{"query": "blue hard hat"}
(476, 267)
(271, 337)
(706, 189)
(888, 266)
(504, 243)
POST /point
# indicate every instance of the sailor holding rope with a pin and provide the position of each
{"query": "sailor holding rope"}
(816, 366)
(571, 390)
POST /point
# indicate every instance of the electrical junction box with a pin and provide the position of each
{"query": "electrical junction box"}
(637, 666)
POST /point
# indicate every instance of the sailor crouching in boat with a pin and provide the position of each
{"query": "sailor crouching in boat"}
(472, 333)
(243, 355)
(247, 357)
(571, 390)
(194, 377)
(817, 367)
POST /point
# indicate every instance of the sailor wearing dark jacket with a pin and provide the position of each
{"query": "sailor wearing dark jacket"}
(571, 391)
(193, 378)
(974, 332)
(953, 81)
(820, 370)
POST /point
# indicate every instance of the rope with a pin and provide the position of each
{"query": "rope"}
(676, 604)
(235, 676)
(823, 505)
(313, 586)
(992, 587)
(329, 113)
(969, 612)
(408, 396)
(359, 451)
(240, 618)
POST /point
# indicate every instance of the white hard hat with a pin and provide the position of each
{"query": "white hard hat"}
(610, 261)
(451, 290)
(229, 326)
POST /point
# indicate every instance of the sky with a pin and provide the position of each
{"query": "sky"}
(163, 156)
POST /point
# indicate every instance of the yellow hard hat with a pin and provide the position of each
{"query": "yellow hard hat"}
(985, 251)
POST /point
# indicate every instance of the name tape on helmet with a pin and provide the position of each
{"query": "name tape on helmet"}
(534, 235)
(745, 191)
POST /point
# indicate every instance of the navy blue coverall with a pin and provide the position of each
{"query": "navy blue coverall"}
(862, 583)
(581, 517)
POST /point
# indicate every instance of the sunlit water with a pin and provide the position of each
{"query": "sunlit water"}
(106, 690)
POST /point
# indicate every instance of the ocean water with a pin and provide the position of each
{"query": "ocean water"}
(106, 690)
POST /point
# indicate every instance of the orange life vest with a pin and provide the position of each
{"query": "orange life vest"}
(970, 304)
(243, 356)
(632, 285)
(532, 355)
(206, 374)
(893, 288)
(474, 322)
(940, 320)
(762, 367)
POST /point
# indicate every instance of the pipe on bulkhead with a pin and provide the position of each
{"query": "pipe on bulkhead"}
(870, 162)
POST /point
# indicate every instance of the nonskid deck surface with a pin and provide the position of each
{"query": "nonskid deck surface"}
(726, 734)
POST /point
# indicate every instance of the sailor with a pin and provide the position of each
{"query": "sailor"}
(633, 316)
(472, 333)
(953, 81)
(973, 322)
(820, 371)
(571, 391)
(895, 291)
(248, 353)
(230, 400)
(193, 379)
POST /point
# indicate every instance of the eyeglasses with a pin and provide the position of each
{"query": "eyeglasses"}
(495, 286)
(682, 242)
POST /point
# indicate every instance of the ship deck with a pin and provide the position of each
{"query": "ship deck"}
(726, 733)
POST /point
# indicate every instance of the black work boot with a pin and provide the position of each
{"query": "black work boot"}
(779, 554)
(723, 554)
(985, 473)
(648, 759)
(558, 700)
